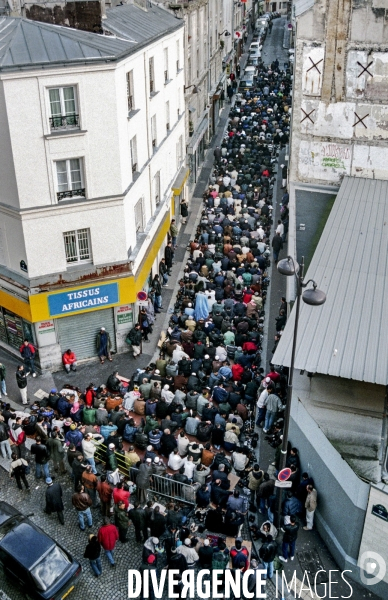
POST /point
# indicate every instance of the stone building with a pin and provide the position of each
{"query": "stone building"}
(340, 113)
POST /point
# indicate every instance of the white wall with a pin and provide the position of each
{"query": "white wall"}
(103, 144)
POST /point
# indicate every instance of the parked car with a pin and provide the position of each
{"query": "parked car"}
(245, 85)
(250, 72)
(253, 61)
(32, 560)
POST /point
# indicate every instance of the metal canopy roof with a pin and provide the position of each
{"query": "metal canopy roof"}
(301, 6)
(347, 336)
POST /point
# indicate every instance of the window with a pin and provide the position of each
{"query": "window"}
(153, 131)
(152, 75)
(77, 246)
(165, 52)
(178, 56)
(133, 144)
(179, 103)
(205, 56)
(168, 116)
(179, 152)
(69, 177)
(63, 108)
(139, 215)
(189, 69)
(198, 63)
(130, 92)
(157, 187)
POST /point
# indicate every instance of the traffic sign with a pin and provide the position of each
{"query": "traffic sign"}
(283, 484)
(284, 474)
(142, 296)
(142, 303)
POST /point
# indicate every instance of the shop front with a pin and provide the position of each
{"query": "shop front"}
(179, 193)
(197, 147)
(59, 319)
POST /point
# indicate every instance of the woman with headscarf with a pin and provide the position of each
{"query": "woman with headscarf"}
(76, 412)
(201, 310)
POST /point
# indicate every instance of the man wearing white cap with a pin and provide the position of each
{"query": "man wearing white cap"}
(188, 552)
(205, 554)
(103, 345)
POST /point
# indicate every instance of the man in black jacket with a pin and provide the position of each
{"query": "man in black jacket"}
(267, 554)
(138, 518)
(41, 459)
(169, 256)
(134, 337)
(277, 245)
(54, 500)
(289, 539)
(21, 380)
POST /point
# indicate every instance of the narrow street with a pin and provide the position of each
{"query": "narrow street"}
(113, 583)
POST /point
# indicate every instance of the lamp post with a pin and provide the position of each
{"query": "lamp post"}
(313, 297)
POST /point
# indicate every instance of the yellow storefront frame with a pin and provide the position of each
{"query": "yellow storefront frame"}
(128, 286)
(15, 305)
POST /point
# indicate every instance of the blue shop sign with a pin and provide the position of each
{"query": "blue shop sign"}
(84, 299)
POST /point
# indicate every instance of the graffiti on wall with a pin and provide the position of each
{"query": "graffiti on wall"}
(325, 161)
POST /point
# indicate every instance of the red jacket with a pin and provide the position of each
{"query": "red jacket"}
(29, 346)
(89, 397)
(108, 536)
(69, 359)
(248, 346)
(237, 371)
(121, 495)
(274, 375)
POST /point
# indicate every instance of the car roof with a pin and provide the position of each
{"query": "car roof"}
(26, 544)
(7, 511)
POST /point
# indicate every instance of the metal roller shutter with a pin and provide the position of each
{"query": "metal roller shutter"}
(79, 332)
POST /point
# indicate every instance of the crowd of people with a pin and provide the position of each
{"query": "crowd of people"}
(193, 417)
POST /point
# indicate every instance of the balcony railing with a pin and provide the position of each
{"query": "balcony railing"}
(71, 194)
(65, 122)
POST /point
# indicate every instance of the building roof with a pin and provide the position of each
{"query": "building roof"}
(301, 6)
(140, 26)
(26, 44)
(347, 337)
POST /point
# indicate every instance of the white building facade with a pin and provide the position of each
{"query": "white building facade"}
(90, 183)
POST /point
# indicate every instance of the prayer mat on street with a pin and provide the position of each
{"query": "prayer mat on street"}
(310, 562)
(233, 481)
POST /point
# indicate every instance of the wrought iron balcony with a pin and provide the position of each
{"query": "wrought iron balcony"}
(71, 194)
(64, 122)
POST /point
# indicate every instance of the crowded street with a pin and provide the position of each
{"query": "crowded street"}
(175, 444)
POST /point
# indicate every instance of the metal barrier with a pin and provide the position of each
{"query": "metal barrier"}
(160, 486)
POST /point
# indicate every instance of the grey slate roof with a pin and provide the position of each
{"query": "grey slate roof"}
(25, 44)
(143, 27)
(350, 265)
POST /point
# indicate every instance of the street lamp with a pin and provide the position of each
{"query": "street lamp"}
(226, 32)
(313, 297)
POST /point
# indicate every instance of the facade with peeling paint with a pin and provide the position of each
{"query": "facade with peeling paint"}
(340, 112)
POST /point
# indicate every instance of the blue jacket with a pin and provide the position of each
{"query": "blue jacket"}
(106, 430)
(74, 437)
